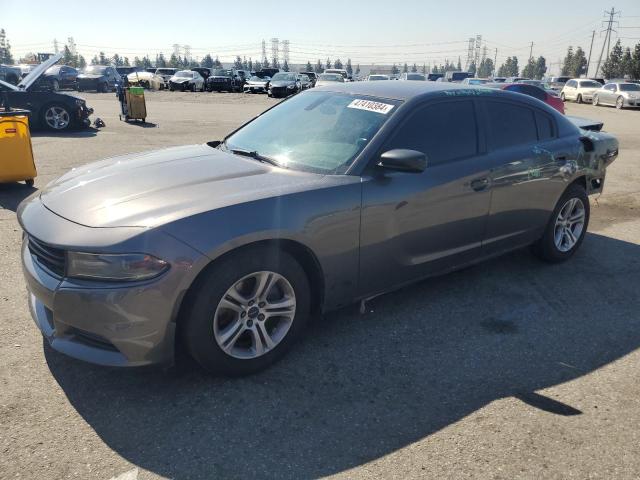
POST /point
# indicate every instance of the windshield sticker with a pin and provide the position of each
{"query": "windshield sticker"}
(370, 106)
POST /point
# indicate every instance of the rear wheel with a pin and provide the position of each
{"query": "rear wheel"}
(247, 312)
(566, 228)
(620, 103)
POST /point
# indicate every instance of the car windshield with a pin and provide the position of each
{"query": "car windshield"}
(95, 69)
(184, 74)
(258, 79)
(319, 132)
(222, 73)
(629, 87)
(331, 77)
(590, 84)
(378, 77)
(415, 76)
(284, 77)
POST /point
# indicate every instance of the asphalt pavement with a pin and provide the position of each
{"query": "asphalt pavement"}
(509, 369)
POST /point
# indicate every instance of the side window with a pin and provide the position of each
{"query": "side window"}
(510, 125)
(444, 131)
(546, 128)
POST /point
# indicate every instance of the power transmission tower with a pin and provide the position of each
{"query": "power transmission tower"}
(495, 63)
(275, 54)
(264, 52)
(55, 45)
(176, 49)
(470, 50)
(285, 51)
(607, 38)
(531, 51)
(187, 52)
(72, 46)
(477, 53)
(593, 35)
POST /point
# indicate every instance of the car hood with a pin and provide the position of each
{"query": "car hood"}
(89, 76)
(154, 188)
(180, 79)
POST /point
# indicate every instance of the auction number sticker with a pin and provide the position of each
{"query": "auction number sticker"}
(370, 106)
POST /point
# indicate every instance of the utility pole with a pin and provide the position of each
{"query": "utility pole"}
(607, 38)
(531, 51)
(593, 35)
(495, 63)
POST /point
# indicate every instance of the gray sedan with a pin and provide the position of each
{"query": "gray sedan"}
(334, 196)
(621, 95)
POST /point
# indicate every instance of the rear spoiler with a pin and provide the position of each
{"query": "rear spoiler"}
(585, 123)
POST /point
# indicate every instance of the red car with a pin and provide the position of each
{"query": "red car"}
(535, 92)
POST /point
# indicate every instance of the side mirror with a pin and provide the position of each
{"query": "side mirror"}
(402, 160)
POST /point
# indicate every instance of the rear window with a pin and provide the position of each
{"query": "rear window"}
(590, 84)
(444, 131)
(546, 128)
(510, 125)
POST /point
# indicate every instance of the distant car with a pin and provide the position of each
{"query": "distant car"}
(313, 76)
(340, 71)
(225, 80)
(413, 76)
(620, 95)
(375, 78)
(557, 83)
(266, 72)
(124, 71)
(580, 90)
(305, 82)
(203, 71)
(531, 91)
(151, 69)
(456, 77)
(256, 85)
(100, 78)
(499, 79)
(432, 77)
(475, 81)
(284, 84)
(146, 80)
(60, 77)
(329, 79)
(186, 80)
(25, 68)
(10, 74)
(54, 111)
(166, 74)
(516, 79)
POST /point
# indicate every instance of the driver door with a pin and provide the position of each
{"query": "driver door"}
(419, 224)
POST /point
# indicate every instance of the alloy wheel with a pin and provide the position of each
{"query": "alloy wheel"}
(569, 224)
(254, 315)
(57, 118)
(620, 103)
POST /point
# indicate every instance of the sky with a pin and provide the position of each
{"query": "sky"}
(373, 31)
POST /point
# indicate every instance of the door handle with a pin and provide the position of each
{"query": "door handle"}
(480, 184)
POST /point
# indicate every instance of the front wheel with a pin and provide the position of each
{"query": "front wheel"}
(56, 117)
(579, 99)
(620, 103)
(562, 97)
(247, 312)
(595, 101)
(566, 228)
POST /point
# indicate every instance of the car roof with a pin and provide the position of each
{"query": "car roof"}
(397, 90)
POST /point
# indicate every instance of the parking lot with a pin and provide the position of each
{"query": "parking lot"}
(509, 369)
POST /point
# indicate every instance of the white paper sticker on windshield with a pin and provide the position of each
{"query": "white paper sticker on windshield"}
(370, 106)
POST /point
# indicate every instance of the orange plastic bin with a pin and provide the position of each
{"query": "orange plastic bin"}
(16, 154)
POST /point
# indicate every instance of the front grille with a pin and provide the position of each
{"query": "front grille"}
(51, 258)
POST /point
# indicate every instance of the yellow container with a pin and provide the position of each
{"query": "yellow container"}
(16, 154)
(136, 105)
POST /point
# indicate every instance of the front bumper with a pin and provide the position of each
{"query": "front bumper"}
(110, 324)
(279, 92)
(632, 102)
(254, 89)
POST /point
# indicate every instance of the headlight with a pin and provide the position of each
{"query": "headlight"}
(291, 86)
(122, 267)
(80, 102)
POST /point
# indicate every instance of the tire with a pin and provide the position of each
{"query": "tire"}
(595, 101)
(56, 117)
(204, 326)
(619, 103)
(102, 88)
(171, 88)
(579, 98)
(562, 97)
(29, 182)
(548, 248)
(193, 87)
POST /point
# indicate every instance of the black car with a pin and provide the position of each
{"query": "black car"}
(284, 84)
(59, 77)
(10, 74)
(432, 77)
(51, 110)
(100, 78)
(225, 80)
(313, 77)
(124, 71)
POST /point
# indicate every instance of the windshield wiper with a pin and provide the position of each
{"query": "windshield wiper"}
(255, 155)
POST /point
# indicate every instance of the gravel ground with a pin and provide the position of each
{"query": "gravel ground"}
(510, 369)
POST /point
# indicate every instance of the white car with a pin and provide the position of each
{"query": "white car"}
(373, 78)
(186, 80)
(329, 79)
(620, 95)
(579, 89)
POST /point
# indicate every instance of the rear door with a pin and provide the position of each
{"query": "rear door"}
(418, 224)
(525, 155)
